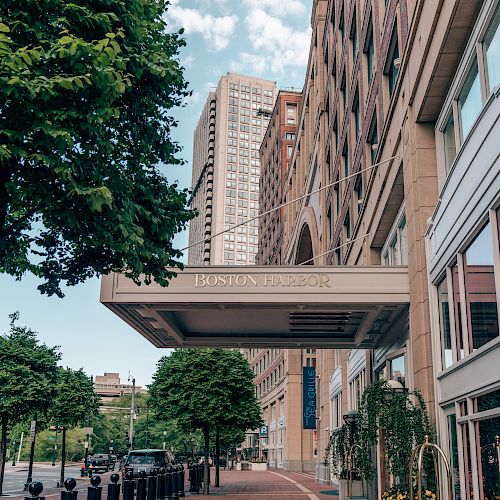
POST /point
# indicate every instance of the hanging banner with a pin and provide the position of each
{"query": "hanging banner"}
(309, 397)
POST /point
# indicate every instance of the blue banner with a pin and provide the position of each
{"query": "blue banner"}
(309, 397)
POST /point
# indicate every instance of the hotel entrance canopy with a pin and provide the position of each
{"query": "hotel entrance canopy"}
(296, 306)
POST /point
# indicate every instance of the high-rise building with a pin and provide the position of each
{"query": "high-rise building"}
(278, 372)
(109, 387)
(226, 170)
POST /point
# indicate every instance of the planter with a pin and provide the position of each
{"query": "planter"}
(357, 490)
(259, 466)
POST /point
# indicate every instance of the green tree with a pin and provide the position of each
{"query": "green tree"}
(206, 389)
(86, 93)
(74, 402)
(28, 375)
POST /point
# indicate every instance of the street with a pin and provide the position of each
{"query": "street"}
(15, 477)
(236, 485)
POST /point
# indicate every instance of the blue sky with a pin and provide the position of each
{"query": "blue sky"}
(265, 38)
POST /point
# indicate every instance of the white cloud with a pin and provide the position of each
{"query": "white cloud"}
(193, 99)
(275, 44)
(216, 31)
(249, 64)
(187, 61)
(278, 7)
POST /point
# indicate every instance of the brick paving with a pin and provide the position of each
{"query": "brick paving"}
(269, 485)
(239, 485)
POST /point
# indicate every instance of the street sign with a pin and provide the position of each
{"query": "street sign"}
(32, 430)
(88, 430)
(308, 397)
(263, 431)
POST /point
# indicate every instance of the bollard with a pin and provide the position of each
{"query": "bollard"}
(180, 480)
(191, 476)
(142, 486)
(199, 477)
(168, 483)
(161, 484)
(114, 488)
(69, 494)
(94, 491)
(128, 486)
(35, 488)
(175, 486)
(152, 484)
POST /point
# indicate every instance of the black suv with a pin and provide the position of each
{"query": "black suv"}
(102, 462)
(146, 460)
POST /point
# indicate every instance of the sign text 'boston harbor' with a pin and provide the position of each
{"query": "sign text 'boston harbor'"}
(318, 280)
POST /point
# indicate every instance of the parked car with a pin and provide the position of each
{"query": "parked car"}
(102, 462)
(146, 460)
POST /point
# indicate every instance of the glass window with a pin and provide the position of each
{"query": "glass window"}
(444, 323)
(372, 139)
(470, 101)
(492, 50)
(397, 369)
(482, 314)
(369, 54)
(455, 471)
(457, 305)
(489, 461)
(450, 150)
(391, 66)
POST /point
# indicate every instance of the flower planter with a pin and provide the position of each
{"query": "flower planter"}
(259, 466)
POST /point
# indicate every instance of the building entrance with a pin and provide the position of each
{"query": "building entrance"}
(252, 306)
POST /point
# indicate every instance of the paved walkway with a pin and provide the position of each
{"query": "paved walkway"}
(269, 485)
(238, 485)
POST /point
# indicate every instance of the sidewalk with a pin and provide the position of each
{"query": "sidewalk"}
(269, 485)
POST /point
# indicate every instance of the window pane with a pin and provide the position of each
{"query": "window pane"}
(492, 46)
(458, 312)
(480, 289)
(398, 369)
(455, 472)
(489, 430)
(450, 150)
(471, 103)
(444, 323)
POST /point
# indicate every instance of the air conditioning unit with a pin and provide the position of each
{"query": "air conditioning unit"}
(360, 201)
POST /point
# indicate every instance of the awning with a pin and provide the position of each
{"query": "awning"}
(251, 306)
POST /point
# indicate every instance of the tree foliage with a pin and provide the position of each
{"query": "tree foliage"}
(206, 389)
(28, 375)
(74, 400)
(86, 91)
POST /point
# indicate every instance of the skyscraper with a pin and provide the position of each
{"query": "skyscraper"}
(226, 170)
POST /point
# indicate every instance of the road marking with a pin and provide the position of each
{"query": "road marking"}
(310, 494)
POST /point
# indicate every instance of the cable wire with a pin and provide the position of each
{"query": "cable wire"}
(205, 240)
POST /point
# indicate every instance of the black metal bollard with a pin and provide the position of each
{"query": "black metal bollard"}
(152, 484)
(180, 480)
(142, 486)
(114, 488)
(161, 484)
(175, 485)
(35, 488)
(128, 486)
(69, 494)
(94, 491)
(168, 483)
(200, 476)
(191, 477)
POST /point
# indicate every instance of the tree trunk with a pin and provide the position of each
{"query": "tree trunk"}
(3, 454)
(63, 456)
(217, 453)
(206, 472)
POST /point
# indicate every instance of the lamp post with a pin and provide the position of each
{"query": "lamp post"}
(393, 388)
(110, 446)
(164, 440)
(13, 453)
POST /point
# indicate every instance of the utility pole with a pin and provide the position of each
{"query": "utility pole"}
(132, 415)
(20, 447)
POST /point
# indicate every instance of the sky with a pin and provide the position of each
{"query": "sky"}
(263, 38)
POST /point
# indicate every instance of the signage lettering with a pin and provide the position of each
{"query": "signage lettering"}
(309, 397)
(317, 280)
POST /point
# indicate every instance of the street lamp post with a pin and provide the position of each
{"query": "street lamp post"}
(164, 440)
(13, 453)
(111, 446)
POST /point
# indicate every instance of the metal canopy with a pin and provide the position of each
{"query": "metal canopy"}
(251, 306)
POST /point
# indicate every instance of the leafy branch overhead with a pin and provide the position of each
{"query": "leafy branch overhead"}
(86, 93)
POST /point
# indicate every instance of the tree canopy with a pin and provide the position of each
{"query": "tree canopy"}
(74, 400)
(28, 376)
(206, 389)
(86, 93)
